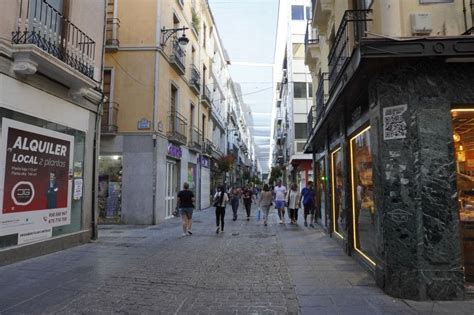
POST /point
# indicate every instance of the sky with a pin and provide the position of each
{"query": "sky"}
(248, 31)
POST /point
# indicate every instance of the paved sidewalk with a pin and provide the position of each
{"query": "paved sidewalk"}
(249, 269)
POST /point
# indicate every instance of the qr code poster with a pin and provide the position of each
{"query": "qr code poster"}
(394, 126)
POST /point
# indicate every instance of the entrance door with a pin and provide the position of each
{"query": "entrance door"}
(171, 182)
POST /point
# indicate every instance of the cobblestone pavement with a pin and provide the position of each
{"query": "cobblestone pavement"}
(249, 269)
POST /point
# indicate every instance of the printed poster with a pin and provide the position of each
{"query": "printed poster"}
(35, 185)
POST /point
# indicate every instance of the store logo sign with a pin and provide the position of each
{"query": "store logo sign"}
(22, 193)
(174, 151)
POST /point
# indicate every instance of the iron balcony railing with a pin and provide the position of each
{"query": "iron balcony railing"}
(109, 123)
(112, 32)
(311, 119)
(320, 96)
(344, 43)
(178, 125)
(178, 54)
(40, 24)
(196, 138)
(206, 95)
(311, 37)
(195, 77)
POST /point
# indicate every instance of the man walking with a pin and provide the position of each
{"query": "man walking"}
(280, 194)
(308, 195)
(186, 206)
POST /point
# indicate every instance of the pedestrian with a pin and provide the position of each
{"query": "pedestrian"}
(265, 202)
(308, 195)
(293, 199)
(234, 201)
(280, 195)
(186, 206)
(220, 201)
(247, 198)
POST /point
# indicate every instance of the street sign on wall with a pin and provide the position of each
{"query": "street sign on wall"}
(35, 179)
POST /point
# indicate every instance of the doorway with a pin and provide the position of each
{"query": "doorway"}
(171, 187)
(463, 138)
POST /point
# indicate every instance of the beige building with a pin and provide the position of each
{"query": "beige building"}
(165, 119)
(50, 74)
(391, 138)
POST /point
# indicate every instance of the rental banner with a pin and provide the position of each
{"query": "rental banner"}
(35, 178)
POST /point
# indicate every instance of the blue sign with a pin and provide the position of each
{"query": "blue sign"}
(143, 124)
(204, 161)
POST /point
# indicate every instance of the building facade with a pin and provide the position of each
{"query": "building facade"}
(293, 96)
(50, 100)
(390, 138)
(168, 105)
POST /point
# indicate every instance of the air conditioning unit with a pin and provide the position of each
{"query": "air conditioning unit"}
(421, 23)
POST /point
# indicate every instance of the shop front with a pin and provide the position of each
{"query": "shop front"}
(110, 189)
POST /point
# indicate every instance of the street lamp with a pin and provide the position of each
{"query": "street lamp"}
(166, 33)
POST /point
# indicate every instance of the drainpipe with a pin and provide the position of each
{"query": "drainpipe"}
(96, 142)
(464, 12)
(472, 13)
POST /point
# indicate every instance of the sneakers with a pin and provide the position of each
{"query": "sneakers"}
(184, 234)
(248, 218)
(217, 230)
(265, 224)
(305, 223)
(311, 225)
(190, 232)
(281, 221)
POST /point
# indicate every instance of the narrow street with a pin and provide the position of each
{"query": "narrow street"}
(248, 269)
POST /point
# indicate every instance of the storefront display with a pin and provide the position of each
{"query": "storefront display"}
(363, 208)
(41, 197)
(110, 188)
(337, 188)
(321, 191)
(463, 138)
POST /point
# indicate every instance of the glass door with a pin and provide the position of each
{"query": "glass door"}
(337, 190)
(170, 188)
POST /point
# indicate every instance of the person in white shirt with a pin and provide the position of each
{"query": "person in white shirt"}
(280, 195)
(293, 199)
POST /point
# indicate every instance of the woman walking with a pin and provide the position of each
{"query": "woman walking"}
(220, 201)
(234, 201)
(265, 202)
(186, 206)
(293, 199)
(247, 198)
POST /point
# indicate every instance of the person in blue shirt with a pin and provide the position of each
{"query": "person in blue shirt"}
(308, 195)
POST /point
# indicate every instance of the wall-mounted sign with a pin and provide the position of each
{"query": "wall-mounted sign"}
(204, 161)
(143, 124)
(394, 126)
(174, 151)
(35, 183)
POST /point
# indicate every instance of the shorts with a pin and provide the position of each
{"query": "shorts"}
(309, 209)
(186, 211)
(279, 204)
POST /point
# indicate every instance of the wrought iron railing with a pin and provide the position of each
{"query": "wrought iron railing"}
(311, 37)
(178, 54)
(178, 125)
(344, 42)
(196, 138)
(320, 96)
(108, 122)
(40, 24)
(311, 119)
(206, 95)
(195, 77)
(112, 32)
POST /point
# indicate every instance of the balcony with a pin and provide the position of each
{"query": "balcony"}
(177, 128)
(353, 22)
(311, 44)
(311, 119)
(280, 137)
(108, 123)
(321, 96)
(46, 41)
(206, 97)
(195, 82)
(112, 42)
(196, 143)
(176, 58)
(322, 11)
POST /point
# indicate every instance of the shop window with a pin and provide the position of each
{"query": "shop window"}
(363, 208)
(321, 190)
(56, 178)
(337, 189)
(110, 188)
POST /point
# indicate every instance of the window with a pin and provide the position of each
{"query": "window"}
(297, 12)
(107, 82)
(204, 27)
(301, 130)
(308, 13)
(310, 89)
(298, 50)
(299, 89)
(278, 104)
